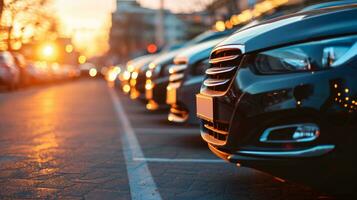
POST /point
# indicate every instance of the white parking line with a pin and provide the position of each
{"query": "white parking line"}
(179, 160)
(188, 131)
(142, 184)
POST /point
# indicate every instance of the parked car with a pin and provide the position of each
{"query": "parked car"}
(22, 65)
(137, 76)
(86, 68)
(130, 74)
(186, 77)
(37, 73)
(140, 71)
(9, 72)
(281, 97)
(157, 75)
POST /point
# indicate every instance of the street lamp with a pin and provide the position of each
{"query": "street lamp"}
(48, 50)
(82, 59)
(69, 48)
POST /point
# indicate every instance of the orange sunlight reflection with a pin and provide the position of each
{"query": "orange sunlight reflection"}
(45, 145)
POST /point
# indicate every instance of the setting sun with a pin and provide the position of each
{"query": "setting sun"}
(48, 50)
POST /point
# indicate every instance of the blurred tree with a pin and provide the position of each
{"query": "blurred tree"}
(26, 20)
(1, 8)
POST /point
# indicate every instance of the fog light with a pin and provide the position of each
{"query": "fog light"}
(149, 85)
(294, 133)
(126, 75)
(126, 88)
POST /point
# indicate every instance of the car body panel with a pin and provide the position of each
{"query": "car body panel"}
(269, 34)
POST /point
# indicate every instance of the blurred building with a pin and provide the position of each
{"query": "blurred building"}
(134, 28)
(196, 23)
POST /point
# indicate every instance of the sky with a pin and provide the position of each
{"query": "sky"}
(177, 5)
(88, 21)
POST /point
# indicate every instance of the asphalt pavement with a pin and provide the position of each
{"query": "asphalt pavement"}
(85, 140)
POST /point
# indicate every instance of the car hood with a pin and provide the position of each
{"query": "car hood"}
(166, 57)
(143, 62)
(295, 28)
(137, 61)
(197, 52)
(145, 59)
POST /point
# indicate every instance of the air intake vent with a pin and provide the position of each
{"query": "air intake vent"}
(215, 132)
(224, 62)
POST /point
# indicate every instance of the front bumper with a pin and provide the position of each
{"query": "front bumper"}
(181, 99)
(248, 155)
(255, 103)
(155, 92)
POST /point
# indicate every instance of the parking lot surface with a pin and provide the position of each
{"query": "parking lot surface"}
(84, 140)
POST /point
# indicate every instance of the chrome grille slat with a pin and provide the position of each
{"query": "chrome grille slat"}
(216, 130)
(223, 59)
(215, 82)
(177, 73)
(226, 48)
(177, 68)
(224, 62)
(175, 77)
(174, 85)
(219, 70)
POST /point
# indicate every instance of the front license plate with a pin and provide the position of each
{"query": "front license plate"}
(148, 94)
(171, 96)
(204, 105)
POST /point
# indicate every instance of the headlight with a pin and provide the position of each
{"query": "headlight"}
(93, 72)
(148, 74)
(306, 57)
(126, 75)
(134, 75)
(130, 68)
(152, 65)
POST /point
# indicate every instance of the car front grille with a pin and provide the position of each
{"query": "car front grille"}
(177, 73)
(224, 62)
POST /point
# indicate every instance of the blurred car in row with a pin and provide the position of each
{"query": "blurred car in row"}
(278, 95)
(135, 75)
(16, 71)
(140, 68)
(9, 72)
(157, 73)
(186, 77)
